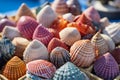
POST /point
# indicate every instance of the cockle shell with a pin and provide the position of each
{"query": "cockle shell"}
(82, 53)
(69, 72)
(69, 35)
(46, 16)
(106, 67)
(27, 25)
(104, 22)
(113, 30)
(35, 50)
(69, 17)
(55, 42)
(10, 32)
(41, 68)
(20, 44)
(42, 34)
(59, 56)
(100, 43)
(14, 69)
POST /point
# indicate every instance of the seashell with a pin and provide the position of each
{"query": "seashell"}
(69, 72)
(6, 48)
(109, 41)
(46, 16)
(54, 32)
(35, 50)
(100, 43)
(41, 68)
(82, 53)
(24, 11)
(5, 22)
(42, 34)
(113, 31)
(69, 17)
(27, 25)
(60, 7)
(55, 42)
(14, 69)
(59, 56)
(20, 44)
(10, 32)
(106, 67)
(104, 22)
(69, 35)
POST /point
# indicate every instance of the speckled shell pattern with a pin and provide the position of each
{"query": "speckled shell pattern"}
(69, 72)
(59, 56)
(106, 67)
(26, 26)
(41, 68)
(35, 50)
(82, 53)
(14, 69)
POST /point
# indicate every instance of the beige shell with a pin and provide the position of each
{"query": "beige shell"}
(104, 22)
(46, 16)
(69, 35)
(69, 17)
(35, 50)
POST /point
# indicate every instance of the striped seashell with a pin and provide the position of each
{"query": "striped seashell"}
(100, 43)
(113, 30)
(24, 11)
(82, 53)
(5, 22)
(109, 41)
(42, 34)
(69, 17)
(55, 42)
(60, 7)
(69, 35)
(41, 68)
(14, 69)
(27, 25)
(46, 16)
(104, 22)
(106, 67)
(69, 72)
(35, 50)
(10, 32)
(54, 32)
(20, 44)
(59, 56)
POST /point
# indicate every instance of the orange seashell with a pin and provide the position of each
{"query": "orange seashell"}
(14, 69)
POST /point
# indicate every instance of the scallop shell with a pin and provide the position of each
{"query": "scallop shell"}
(21, 44)
(113, 30)
(60, 7)
(24, 11)
(106, 67)
(46, 16)
(55, 42)
(69, 17)
(14, 69)
(82, 53)
(59, 56)
(100, 43)
(41, 68)
(69, 72)
(69, 35)
(104, 22)
(10, 32)
(27, 25)
(42, 34)
(54, 32)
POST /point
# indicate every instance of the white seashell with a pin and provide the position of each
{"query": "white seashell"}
(104, 22)
(69, 17)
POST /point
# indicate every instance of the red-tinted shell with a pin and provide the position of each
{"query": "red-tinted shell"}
(54, 32)
(26, 25)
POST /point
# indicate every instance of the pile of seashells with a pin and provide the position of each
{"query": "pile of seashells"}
(59, 43)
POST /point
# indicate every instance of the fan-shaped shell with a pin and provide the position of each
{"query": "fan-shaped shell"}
(59, 56)
(69, 72)
(106, 67)
(55, 42)
(14, 69)
(42, 34)
(82, 53)
(99, 42)
(41, 68)
(46, 16)
(69, 35)
(69, 17)
(26, 25)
